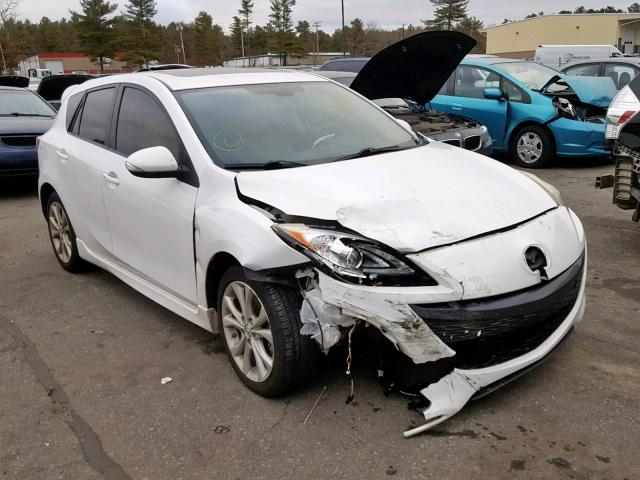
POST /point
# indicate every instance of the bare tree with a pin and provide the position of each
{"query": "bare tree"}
(7, 10)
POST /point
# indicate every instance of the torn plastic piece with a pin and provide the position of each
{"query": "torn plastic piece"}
(166, 380)
(321, 321)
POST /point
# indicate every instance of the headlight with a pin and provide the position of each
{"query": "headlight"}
(350, 257)
(485, 138)
(550, 189)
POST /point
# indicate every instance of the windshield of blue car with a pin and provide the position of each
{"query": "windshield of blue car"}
(298, 124)
(23, 103)
(530, 74)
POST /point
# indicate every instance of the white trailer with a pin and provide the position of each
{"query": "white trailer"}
(556, 56)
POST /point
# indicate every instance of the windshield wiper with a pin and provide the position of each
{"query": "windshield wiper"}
(18, 114)
(367, 152)
(273, 165)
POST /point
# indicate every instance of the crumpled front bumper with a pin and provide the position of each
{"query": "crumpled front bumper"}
(482, 271)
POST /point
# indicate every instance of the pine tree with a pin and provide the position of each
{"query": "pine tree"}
(634, 8)
(95, 30)
(139, 35)
(283, 40)
(447, 13)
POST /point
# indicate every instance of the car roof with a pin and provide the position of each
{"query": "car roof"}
(347, 59)
(17, 89)
(333, 74)
(190, 78)
(628, 60)
(489, 60)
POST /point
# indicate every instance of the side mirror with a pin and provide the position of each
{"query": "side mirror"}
(493, 93)
(404, 124)
(152, 162)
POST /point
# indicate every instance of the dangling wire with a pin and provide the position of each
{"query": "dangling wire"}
(352, 391)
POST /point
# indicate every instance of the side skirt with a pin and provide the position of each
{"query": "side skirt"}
(203, 317)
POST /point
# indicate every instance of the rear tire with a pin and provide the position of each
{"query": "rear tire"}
(62, 236)
(532, 147)
(260, 327)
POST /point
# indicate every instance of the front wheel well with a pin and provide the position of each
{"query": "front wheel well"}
(219, 264)
(45, 192)
(518, 127)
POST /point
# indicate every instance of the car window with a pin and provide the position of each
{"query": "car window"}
(96, 115)
(514, 94)
(471, 81)
(587, 70)
(72, 107)
(447, 88)
(143, 123)
(620, 73)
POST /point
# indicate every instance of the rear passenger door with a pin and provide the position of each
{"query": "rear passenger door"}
(151, 219)
(80, 155)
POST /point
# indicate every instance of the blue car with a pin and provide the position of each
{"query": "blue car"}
(533, 112)
(24, 116)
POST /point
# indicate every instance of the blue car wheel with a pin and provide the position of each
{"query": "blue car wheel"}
(532, 147)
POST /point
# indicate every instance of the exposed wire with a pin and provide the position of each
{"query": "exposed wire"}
(352, 391)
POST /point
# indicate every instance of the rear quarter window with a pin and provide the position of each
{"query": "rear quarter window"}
(72, 107)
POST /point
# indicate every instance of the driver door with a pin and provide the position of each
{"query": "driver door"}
(151, 219)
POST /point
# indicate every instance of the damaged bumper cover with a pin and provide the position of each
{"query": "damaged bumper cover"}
(489, 319)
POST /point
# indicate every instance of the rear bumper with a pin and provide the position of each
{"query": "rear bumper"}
(451, 393)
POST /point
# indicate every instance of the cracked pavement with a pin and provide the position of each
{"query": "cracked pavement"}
(82, 356)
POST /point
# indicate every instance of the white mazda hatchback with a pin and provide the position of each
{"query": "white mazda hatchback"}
(288, 213)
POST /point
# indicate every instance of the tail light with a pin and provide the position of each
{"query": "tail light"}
(623, 108)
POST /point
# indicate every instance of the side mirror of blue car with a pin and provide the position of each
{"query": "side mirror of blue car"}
(493, 94)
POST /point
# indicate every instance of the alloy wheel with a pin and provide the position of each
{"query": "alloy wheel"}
(529, 147)
(60, 231)
(247, 331)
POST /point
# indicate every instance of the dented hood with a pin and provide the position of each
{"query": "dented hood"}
(409, 200)
(414, 68)
(596, 91)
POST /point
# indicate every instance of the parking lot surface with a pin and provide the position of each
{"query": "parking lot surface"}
(82, 358)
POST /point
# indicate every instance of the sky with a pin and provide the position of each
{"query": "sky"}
(384, 13)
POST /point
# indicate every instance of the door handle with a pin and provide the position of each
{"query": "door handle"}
(111, 178)
(62, 155)
(456, 106)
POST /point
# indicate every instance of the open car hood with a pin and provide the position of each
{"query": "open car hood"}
(14, 81)
(595, 91)
(415, 68)
(409, 200)
(51, 88)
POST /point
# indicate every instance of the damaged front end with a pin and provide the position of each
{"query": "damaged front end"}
(451, 322)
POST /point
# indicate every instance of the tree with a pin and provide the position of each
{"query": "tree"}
(634, 8)
(472, 26)
(138, 34)
(534, 15)
(95, 28)
(283, 38)
(245, 11)
(207, 41)
(447, 13)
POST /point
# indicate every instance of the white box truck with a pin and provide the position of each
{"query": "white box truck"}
(557, 56)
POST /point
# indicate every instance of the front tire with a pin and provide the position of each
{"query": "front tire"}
(532, 147)
(62, 236)
(260, 327)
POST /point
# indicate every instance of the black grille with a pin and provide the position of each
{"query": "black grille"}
(453, 141)
(472, 143)
(497, 329)
(19, 141)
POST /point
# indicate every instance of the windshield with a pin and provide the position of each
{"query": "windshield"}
(531, 74)
(304, 123)
(23, 103)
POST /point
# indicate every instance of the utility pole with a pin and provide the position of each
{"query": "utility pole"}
(317, 24)
(403, 31)
(344, 35)
(184, 55)
(242, 43)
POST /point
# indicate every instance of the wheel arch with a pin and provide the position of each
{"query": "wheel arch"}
(526, 123)
(45, 192)
(218, 264)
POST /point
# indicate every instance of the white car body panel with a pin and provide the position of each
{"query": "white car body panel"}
(462, 218)
(410, 200)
